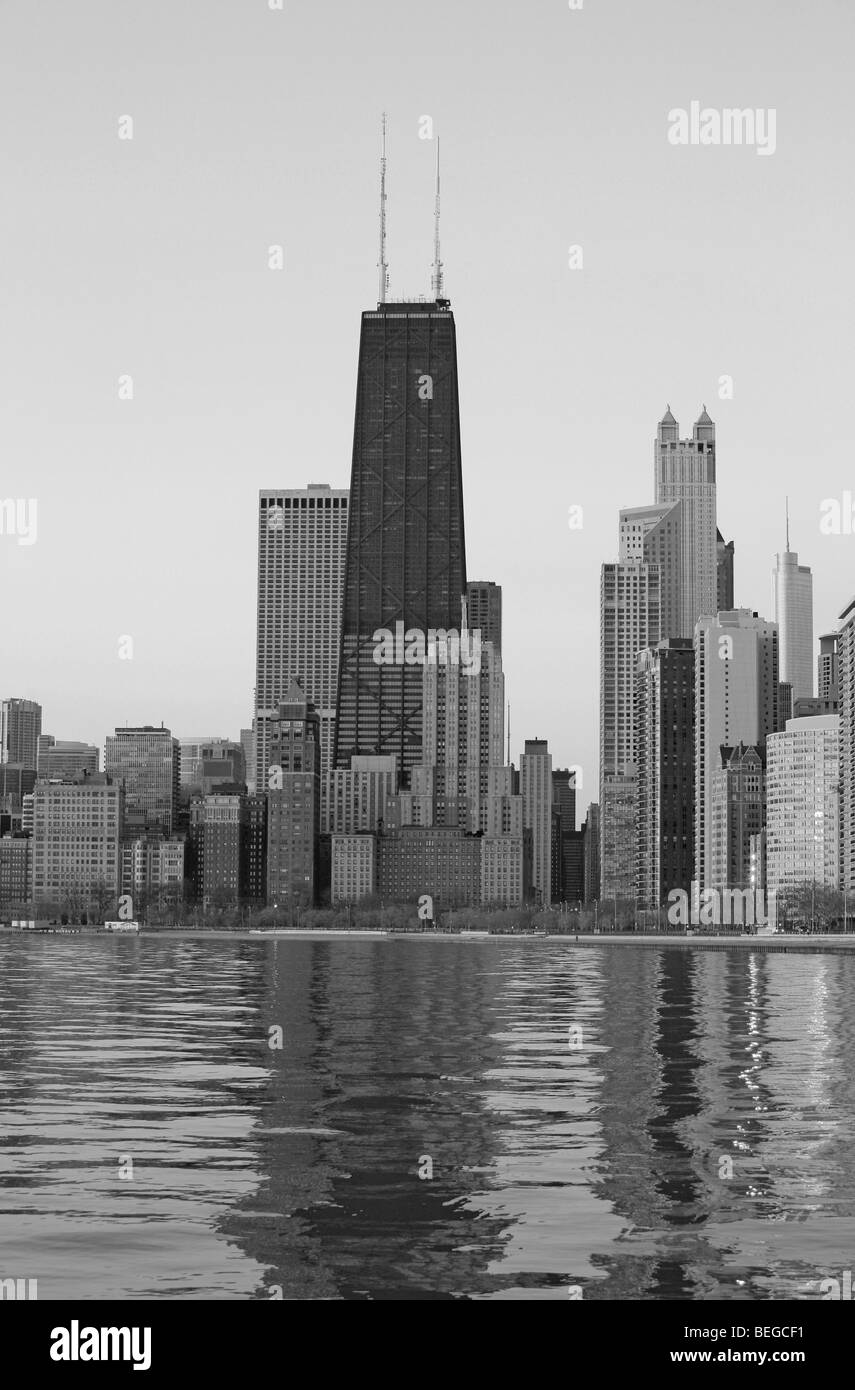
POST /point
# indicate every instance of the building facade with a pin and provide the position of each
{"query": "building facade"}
(685, 471)
(20, 727)
(736, 701)
(792, 610)
(665, 750)
(406, 557)
(146, 762)
(302, 536)
(803, 804)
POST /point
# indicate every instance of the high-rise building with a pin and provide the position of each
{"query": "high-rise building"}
(191, 759)
(15, 869)
(354, 867)
(293, 779)
(536, 788)
(736, 701)
(665, 749)
(406, 558)
(438, 861)
(803, 804)
(217, 836)
(826, 667)
(463, 721)
(846, 696)
(20, 726)
(629, 622)
(247, 743)
(484, 604)
(738, 803)
(724, 573)
(792, 610)
(60, 758)
(301, 555)
(146, 762)
(16, 782)
(654, 536)
(592, 853)
(77, 836)
(685, 472)
(151, 867)
(360, 795)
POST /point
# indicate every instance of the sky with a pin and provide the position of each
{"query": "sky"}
(255, 127)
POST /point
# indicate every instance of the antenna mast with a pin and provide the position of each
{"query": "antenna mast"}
(787, 504)
(436, 278)
(383, 267)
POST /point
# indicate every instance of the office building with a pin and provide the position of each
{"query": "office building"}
(536, 789)
(665, 751)
(20, 726)
(57, 759)
(484, 606)
(738, 793)
(293, 779)
(685, 471)
(736, 702)
(803, 804)
(724, 573)
(792, 610)
(301, 555)
(76, 847)
(146, 762)
(406, 558)
(826, 667)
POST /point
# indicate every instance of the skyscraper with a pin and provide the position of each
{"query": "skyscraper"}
(292, 778)
(301, 552)
(792, 610)
(59, 758)
(146, 762)
(803, 805)
(738, 813)
(724, 573)
(536, 788)
(484, 603)
(826, 667)
(736, 701)
(629, 622)
(685, 472)
(20, 727)
(654, 536)
(665, 750)
(846, 696)
(406, 558)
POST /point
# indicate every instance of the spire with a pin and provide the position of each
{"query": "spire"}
(787, 506)
(382, 265)
(436, 278)
(667, 418)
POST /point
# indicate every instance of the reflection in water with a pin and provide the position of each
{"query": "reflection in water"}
(427, 1129)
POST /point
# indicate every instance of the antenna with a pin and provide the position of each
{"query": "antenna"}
(509, 733)
(436, 278)
(787, 505)
(382, 265)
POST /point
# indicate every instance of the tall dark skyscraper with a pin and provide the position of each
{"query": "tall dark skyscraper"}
(405, 547)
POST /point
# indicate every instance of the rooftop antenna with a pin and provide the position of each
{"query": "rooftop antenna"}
(787, 505)
(436, 278)
(509, 733)
(383, 267)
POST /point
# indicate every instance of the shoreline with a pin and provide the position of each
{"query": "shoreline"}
(781, 944)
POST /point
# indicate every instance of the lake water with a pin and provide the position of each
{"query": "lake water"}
(624, 1123)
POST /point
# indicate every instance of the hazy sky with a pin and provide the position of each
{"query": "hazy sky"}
(253, 127)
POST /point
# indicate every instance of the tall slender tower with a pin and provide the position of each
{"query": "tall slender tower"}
(406, 560)
(685, 472)
(301, 545)
(792, 610)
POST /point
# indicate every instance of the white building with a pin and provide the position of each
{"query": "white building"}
(792, 610)
(736, 701)
(802, 807)
(302, 536)
(685, 472)
(76, 846)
